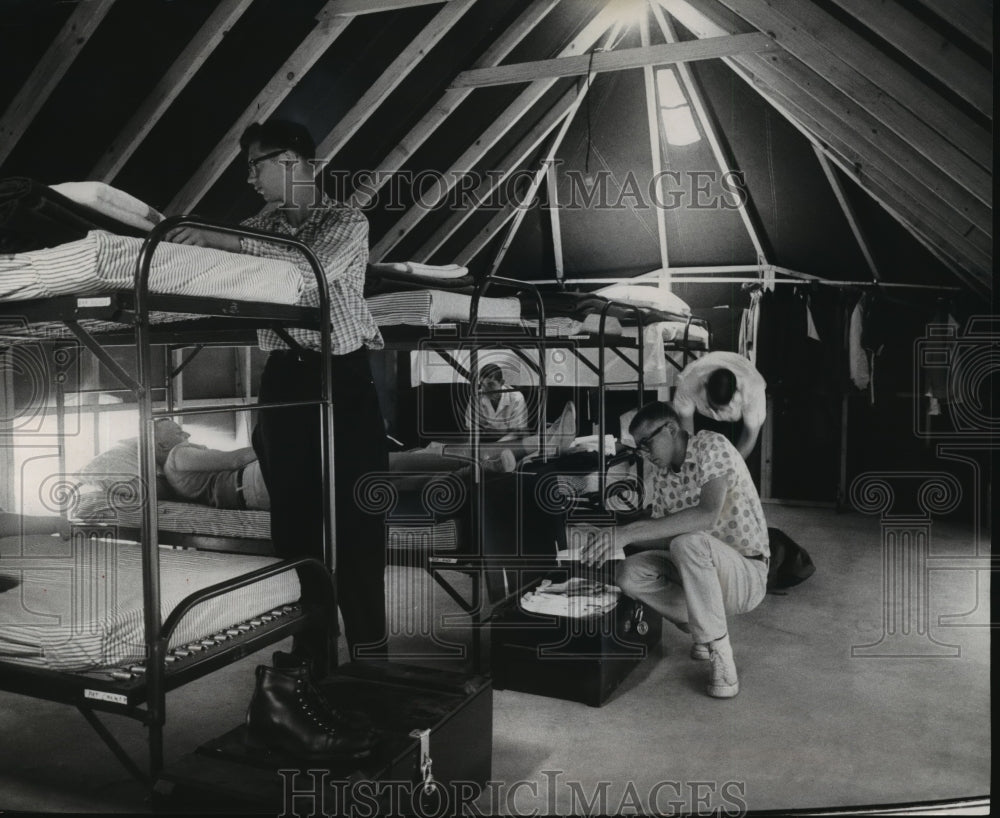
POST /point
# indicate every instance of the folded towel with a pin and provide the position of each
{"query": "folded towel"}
(111, 202)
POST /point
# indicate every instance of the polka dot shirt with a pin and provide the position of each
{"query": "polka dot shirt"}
(741, 522)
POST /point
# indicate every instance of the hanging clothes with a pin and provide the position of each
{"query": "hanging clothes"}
(857, 356)
(749, 323)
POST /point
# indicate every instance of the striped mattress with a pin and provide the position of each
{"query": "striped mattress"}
(77, 605)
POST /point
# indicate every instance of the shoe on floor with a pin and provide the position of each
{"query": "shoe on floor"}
(723, 682)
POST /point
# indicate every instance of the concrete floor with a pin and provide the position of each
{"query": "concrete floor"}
(812, 726)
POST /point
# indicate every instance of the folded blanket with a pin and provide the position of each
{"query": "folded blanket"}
(111, 202)
(33, 216)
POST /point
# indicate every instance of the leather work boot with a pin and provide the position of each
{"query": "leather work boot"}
(285, 717)
(292, 663)
(723, 682)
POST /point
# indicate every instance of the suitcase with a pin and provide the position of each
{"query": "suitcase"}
(579, 659)
(434, 752)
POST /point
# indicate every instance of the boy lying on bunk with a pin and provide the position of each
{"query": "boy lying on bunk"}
(702, 553)
(211, 477)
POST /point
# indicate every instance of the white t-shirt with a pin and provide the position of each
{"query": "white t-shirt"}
(510, 413)
(749, 402)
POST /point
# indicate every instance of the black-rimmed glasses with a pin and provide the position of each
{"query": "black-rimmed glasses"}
(253, 163)
(648, 440)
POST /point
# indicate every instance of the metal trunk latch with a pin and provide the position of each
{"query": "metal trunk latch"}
(430, 785)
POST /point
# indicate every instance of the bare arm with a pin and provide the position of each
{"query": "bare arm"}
(13, 524)
(202, 237)
(192, 458)
(747, 438)
(658, 532)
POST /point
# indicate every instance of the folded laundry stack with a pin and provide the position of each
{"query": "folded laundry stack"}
(576, 597)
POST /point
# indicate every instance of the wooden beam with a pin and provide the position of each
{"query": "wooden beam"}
(217, 26)
(930, 124)
(487, 234)
(876, 146)
(705, 20)
(509, 117)
(928, 48)
(622, 60)
(552, 189)
(513, 160)
(721, 154)
(409, 144)
(974, 18)
(59, 56)
(653, 117)
(847, 210)
(357, 7)
(328, 28)
(390, 79)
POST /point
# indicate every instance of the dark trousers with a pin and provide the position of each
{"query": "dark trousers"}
(288, 443)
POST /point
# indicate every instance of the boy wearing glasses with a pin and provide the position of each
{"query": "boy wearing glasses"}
(702, 554)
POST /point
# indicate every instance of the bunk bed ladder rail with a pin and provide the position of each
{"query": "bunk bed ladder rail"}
(156, 702)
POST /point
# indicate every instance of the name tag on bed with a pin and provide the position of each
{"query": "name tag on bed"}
(96, 301)
(105, 696)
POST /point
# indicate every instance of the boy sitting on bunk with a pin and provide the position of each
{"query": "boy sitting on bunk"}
(702, 553)
(215, 478)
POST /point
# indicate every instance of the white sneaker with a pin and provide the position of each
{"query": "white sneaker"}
(700, 652)
(723, 682)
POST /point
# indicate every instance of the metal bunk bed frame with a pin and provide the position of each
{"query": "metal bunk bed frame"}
(146, 684)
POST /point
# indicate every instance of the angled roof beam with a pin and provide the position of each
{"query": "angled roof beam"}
(600, 23)
(969, 263)
(930, 124)
(552, 190)
(186, 65)
(876, 146)
(848, 211)
(357, 7)
(409, 144)
(69, 42)
(390, 79)
(506, 166)
(451, 99)
(974, 18)
(882, 178)
(488, 233)
(928, 48)
(722, 158)
(329, 26)
(622, 60)
(653, 117)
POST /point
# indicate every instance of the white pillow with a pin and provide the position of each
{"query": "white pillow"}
(111, 202)
(644, 295)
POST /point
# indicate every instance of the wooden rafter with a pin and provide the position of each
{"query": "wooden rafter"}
(356, 7)
(903, 196)
(928, 48)
(487, 234)
(974, 18)
(390, 79)
(451, 99)
(329, 27)
(655, 145)
(847, 210)
(73, 36)
(552, 190)
(875, 149)
(922, 118)
(719, 152)
(507, 119)
(186, 65)
(513, 160)
(622, 60)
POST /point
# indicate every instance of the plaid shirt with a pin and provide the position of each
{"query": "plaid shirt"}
(338, 235)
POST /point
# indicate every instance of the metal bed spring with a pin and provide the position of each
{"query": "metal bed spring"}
(315, 615)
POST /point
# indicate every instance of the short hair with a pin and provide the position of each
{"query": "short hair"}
(652, 412)
(720, 387)
(280, 134)
(491, 372)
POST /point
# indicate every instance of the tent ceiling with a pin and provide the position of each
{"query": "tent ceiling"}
(892, 100)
